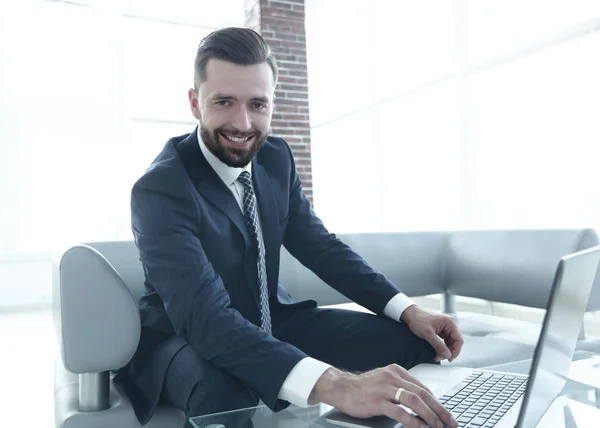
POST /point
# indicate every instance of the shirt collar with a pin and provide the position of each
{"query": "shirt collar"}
(226, 173)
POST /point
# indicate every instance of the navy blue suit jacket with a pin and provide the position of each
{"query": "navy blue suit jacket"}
(201, 274)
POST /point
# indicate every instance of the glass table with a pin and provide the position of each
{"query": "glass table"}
(576, 407)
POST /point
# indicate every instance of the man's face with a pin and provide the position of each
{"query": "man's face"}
(234, 106)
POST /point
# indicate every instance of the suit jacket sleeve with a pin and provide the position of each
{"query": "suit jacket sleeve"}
(164, 219)
(307, 239)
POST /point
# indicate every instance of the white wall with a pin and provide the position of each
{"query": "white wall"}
(442, 115)
(455, 114)
(89, 94)
(25, 284)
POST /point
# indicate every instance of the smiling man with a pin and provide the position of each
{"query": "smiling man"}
(219, 331)
(234, 124)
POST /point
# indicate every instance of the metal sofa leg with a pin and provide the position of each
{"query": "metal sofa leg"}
(449, 304)
(94, 391)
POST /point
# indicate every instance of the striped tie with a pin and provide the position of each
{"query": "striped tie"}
(253, 226)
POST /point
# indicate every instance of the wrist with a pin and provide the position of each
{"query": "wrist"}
(329, 385)
(408, 314)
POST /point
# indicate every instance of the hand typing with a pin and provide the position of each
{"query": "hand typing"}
(378, 392)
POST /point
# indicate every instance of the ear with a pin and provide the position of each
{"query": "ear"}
(194, 103)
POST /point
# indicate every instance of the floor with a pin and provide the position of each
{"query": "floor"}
(28, 351)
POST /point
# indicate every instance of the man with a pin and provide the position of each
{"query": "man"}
(219, 332)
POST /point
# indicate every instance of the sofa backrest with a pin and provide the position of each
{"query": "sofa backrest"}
(509, 266)
(413, 261)
(98, 284)
(512, 266)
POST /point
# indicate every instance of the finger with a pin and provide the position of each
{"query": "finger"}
(455, 348)
(416, 404)
(392, 411)
(442, 351)
(404, 374)
(433, 403)
(408, 382)
(453, 339)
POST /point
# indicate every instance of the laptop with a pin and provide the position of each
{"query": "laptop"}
(485, 399)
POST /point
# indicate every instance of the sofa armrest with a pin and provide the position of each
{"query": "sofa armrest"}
(97, 321)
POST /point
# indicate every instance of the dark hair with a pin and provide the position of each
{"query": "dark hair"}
(241, 46)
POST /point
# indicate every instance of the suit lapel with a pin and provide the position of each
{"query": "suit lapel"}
(208, 183)
(267, 208)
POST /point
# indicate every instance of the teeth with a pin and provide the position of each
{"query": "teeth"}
(236, 139)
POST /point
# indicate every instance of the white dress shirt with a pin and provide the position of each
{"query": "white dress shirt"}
(300, 381)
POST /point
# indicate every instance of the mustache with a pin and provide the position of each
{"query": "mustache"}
(251, 133)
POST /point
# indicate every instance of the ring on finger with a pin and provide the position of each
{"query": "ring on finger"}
(398, 395)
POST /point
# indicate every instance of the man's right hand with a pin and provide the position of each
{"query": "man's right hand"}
(374, 393)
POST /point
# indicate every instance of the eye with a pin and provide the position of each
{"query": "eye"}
(259, 106)
(223, 103)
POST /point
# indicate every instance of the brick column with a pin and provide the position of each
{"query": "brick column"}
(281, 23)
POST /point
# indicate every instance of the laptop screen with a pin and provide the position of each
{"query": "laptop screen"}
(558, 338)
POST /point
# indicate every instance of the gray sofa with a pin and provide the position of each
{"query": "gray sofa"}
(98, 327)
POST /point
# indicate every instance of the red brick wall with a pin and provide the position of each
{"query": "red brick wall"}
(281, 23)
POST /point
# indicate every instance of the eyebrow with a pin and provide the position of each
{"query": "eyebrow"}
(219, 96)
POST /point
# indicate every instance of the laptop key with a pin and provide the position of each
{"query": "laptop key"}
(478, 421)
(463, 419)
(457, 389)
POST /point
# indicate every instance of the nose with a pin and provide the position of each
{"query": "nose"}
(241, 120)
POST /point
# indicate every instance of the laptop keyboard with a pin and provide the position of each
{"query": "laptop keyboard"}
(483, 398)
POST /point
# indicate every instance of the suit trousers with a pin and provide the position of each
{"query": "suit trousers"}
(349, 340)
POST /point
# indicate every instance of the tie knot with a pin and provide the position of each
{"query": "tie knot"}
(245, 179)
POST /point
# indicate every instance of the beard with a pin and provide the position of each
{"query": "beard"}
(232, 156)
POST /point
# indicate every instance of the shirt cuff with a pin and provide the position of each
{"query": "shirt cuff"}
(397, 305)
(301, 380)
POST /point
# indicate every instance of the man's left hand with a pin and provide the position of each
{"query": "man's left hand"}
(439, 330)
